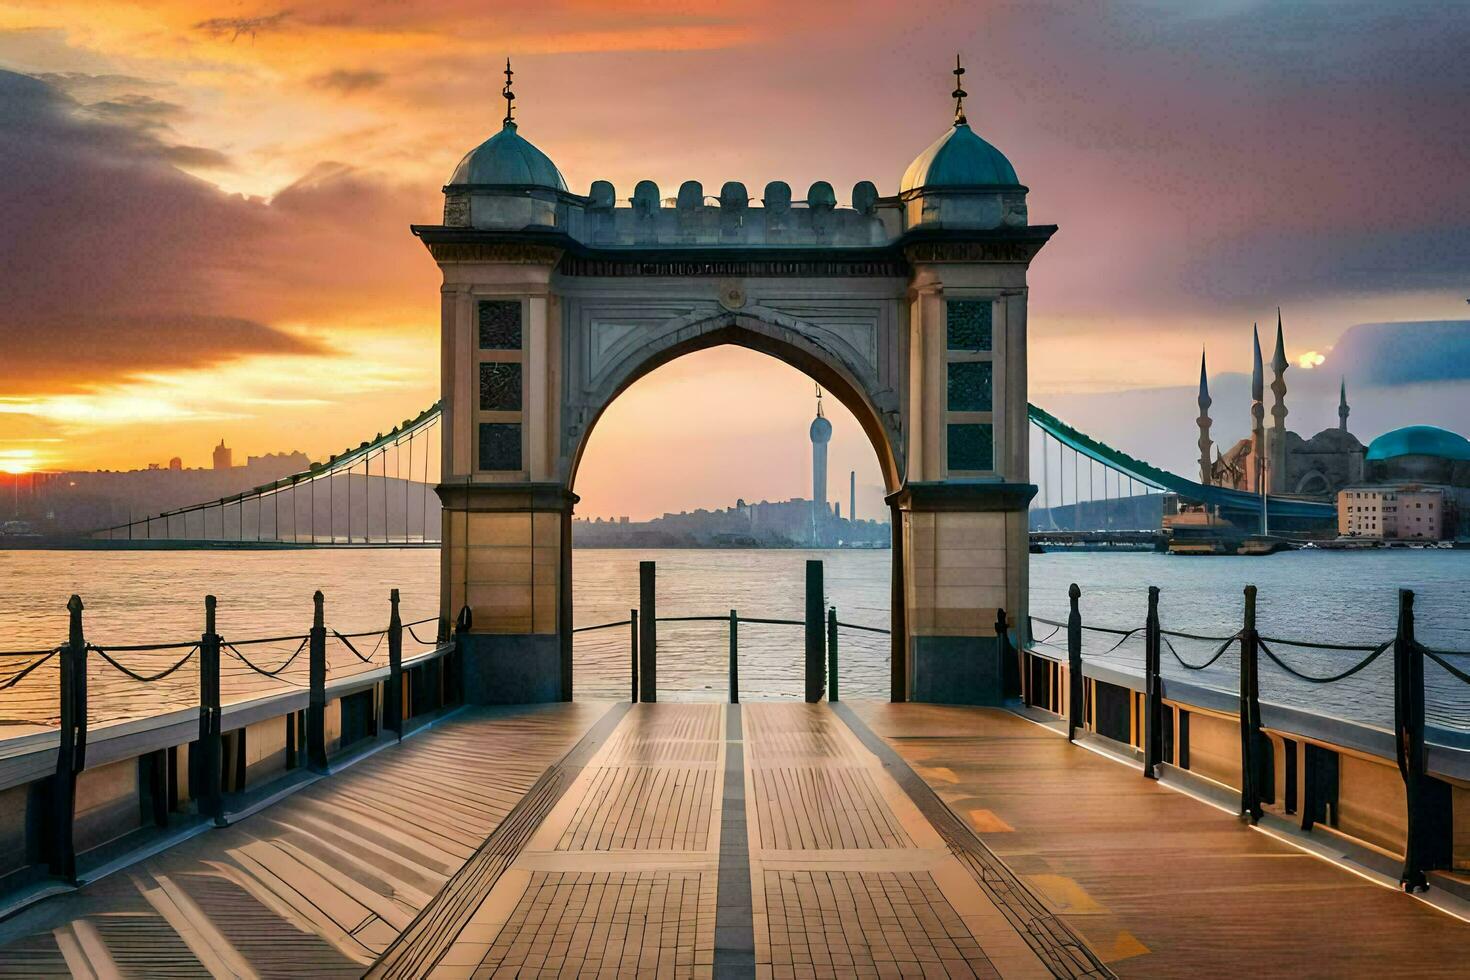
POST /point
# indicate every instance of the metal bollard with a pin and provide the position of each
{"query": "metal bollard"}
(1153, 699)
(393, 703)
(816, 668)
(210, 767)
(1076, 684)
(633, 633)
(734, 657)
(72, 748)
(832, 654)
(316, 704)
(648, 632)
(1250, 712)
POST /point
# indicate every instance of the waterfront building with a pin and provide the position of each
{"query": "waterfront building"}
(1274, 457)
(1417, 485)
(223, 456)
(1392, 513)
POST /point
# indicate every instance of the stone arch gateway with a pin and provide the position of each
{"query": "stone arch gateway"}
(911, 309)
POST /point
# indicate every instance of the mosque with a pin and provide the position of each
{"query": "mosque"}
(1366, 481)
(1275, 459)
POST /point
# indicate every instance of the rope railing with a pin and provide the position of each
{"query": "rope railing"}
(142, 678)
(1219, 652)
(1375, 653)
(274, 672)
(1427, 844)
(26, 671)
(1438, 657)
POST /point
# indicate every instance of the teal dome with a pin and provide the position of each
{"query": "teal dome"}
(1420, 440)
(960, 158)
(508, 158)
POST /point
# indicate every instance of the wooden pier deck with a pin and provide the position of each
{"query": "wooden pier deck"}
(778, 840)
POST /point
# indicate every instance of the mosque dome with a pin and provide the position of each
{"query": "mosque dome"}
(508, 158)
(959, 158)
(1419, 440)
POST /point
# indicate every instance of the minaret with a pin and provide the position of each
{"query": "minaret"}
(1342, 405)
(1205, 469)
(821, 433)
(1276, 468)
(1258, 415)
(852, 495)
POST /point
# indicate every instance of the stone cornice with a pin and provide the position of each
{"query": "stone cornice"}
(929, 497)
(550, 246)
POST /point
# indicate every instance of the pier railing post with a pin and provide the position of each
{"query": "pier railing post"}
(633, 644)
(1250, 712)
(816, 667)
(393, 703)
(211, 790)
(1429, 834)
(452, 675)
(832, 654)
(1153, 695)
(71, 751)
(316, 703)
(734, 657)
(647, 633)
(1076, 714)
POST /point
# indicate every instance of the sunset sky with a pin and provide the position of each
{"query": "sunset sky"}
(204, 206)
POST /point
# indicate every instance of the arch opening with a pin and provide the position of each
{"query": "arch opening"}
(760, 578)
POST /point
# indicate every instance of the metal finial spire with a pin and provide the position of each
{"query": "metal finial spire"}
(959, 93)
(510, 97)
(819, 401)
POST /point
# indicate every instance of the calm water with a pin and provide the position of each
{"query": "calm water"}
(144, 597)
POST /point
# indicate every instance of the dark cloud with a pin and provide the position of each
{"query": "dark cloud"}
(1404, 353)
(137, 111)
(116, 262)
(348, 82)
(238, 27)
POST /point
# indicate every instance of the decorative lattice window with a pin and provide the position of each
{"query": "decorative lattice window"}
(971, 446)
(500, 324)
(969, 324)
(500, 445)
(970, 386)
(500, 386)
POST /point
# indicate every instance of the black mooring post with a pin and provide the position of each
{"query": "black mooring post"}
(316, 704)
(1422, 850)
(1250, 712)
(72, 749)
(734, 657)
(633, 644)
(393, 703)
(211, 790)
(647, 634)
(832, 654)
(1153, 695)
(816, 667)
(1075, 684)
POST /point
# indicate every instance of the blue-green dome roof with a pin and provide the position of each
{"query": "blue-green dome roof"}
(508, 158)
(1420, 440)
(959, 158)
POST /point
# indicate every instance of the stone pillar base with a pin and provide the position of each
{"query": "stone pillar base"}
(521, 668)
(956, 670)
(965, 554)
(507, 558)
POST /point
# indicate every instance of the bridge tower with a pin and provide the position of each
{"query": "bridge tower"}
(910, 309)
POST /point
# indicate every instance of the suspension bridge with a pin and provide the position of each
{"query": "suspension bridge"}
(380, 494)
